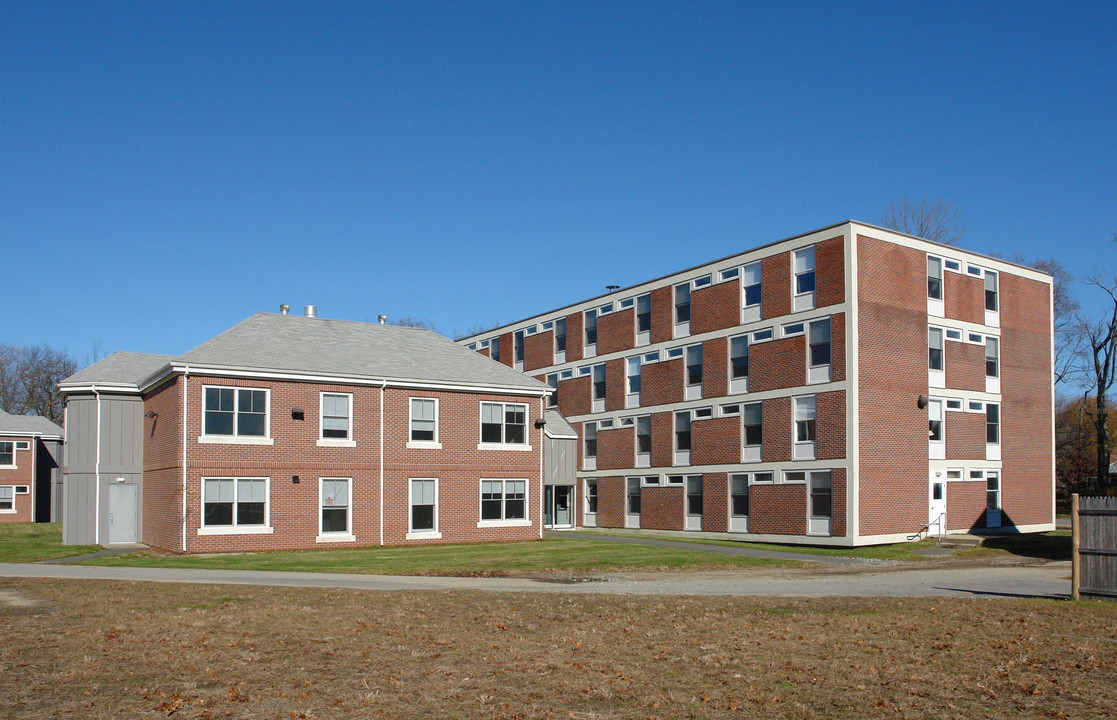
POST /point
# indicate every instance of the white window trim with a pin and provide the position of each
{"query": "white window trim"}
(788, 329)
(15, 456)
(234, 439)
(348, 535)
(265, 529)
(805, 300)
(525, 522)
(515, 447)
(348, 440)
(14, 493)
(413, 534)
(435, 444)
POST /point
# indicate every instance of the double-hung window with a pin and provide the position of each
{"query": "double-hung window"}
(336, 416)
(560, 335)
(518, 349)
(423, 501)
(751, 292)
(992, 369)
(632, 382)
(693, 379)
(935, 362)
(424, 422)
(552, 382)
(819, 351)
(235, 412)
(335, 508)
(752, 431)
(598, 388)
(992, 423)
(644, 441)
(804, 281)
(503, 501)
(590, 328)
(739, 503)
(7, 454)
(234, 504)
(682, 437)
(503, 424)
(589, 446)
(934, 278)
(738, 364)
(991, 291)
(643, 319)
(806, 413)
(682, 309)
(7, 499)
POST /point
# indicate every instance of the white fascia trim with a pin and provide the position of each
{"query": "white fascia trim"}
(556, 436)
(732, 468)
(251, 530)
(234, 372)
(423, 445)
(29, 435)
(125, 388)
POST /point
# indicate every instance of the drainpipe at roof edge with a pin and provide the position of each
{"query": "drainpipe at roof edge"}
(185, 415)
(383, 383)
(542, 480)
(97, 476)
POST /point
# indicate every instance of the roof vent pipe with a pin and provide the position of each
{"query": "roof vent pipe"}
(310, 311)
(284, 309)
(612, 288)
(382, 319)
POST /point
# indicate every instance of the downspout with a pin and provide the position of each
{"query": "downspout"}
(185, 415)
(383, 383)
(542, 480)
(97, 476)
(34, 445)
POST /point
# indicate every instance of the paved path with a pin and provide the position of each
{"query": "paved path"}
(1050, 580)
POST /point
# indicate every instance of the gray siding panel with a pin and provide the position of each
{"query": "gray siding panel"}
(54, 447)
(79, 501)
(559, 461)
(121, 435)
(81, 434)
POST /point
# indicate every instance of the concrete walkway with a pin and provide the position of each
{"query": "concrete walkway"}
(1050, 580)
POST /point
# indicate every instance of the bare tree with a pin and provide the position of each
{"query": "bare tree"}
(476, 329)
(937, 221)
(29, 378)
(413, 322)
(1100, 338)
(1065, 320)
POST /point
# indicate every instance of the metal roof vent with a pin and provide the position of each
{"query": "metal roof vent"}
(382, 319)
(310, 311)
(284, 309)
(612, 288)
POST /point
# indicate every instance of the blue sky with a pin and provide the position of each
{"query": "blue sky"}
(169, 168)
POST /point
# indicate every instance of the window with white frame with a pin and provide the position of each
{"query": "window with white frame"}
(7, 499)
(336, 416)
(494, 349)
(806, 413)
(591, 495)
(423, 502)
(819, 350)
(424, 420)
(234, 503)
(590, 327)
(518, 347)
(682, 303)
(336, 509)
(694, 365)
(752, 419)
(935, 421)
(643, 435)
(792, 330)
(990, 291)
(552, 382)
(751, 291)
(560, 335)
(589, 445)
(934, 349)
(992, 423)
(934, 277)
(992, 357)
(597, 387)
(738, 363)
(235, 412)
(503, 423)
(632, 381)
(803, 267)
(644, 313)
(503, 500)
(7, 453)
(739, 495)
(682, 431)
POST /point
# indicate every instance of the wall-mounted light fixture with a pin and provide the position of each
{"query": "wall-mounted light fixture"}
(921, 402)
(295, 479)
(540, 423)
(150, 414)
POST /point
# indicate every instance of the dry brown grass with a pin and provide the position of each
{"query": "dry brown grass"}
(110, 649)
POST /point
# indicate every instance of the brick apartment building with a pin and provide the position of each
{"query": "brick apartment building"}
(851, 385)
(288, 432)
(30, 468)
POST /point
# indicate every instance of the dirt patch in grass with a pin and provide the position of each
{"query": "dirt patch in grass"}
(107, 650)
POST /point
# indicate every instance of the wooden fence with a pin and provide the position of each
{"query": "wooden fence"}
(1094, 543)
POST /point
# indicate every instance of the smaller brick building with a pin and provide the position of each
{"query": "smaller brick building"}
(30, 468)
(291, 432)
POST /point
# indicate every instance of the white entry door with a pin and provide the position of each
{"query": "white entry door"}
(122, 513)
(936, 503)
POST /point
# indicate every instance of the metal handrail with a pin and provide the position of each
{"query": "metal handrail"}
(926, 528)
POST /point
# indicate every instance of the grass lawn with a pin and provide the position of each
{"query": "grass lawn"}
(108, 650)
(579, 555)
(31, 542)
(898, 551)
(1054, 545)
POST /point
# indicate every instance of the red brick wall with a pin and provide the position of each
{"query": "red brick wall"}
(829, 260)
(715, 441)
(831, 425)
(965, 366)
(838, 490)
(575, 337)
(662, 508)
(21, 474)
(610, 502)
(616, 331)
(459, 465)
(715, 368)
(965, 505)
(663, 314)
(715, 502)
(661, 383)
(539, 351)
(162, 467)
(965, 436)
(775, 277)
(507, 349)
(616, 448)
(778, 509)
(838, 347)
(892, 327)
(614, 384)
(715, 307)
(1026, 425)
(663, 439)
(963, 297)
(575, 396)
(778, 364)
(777, 430)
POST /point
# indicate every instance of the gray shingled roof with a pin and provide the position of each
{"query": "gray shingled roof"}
(557, 426)
(299, 344)
(27, 425)
(120, 368)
